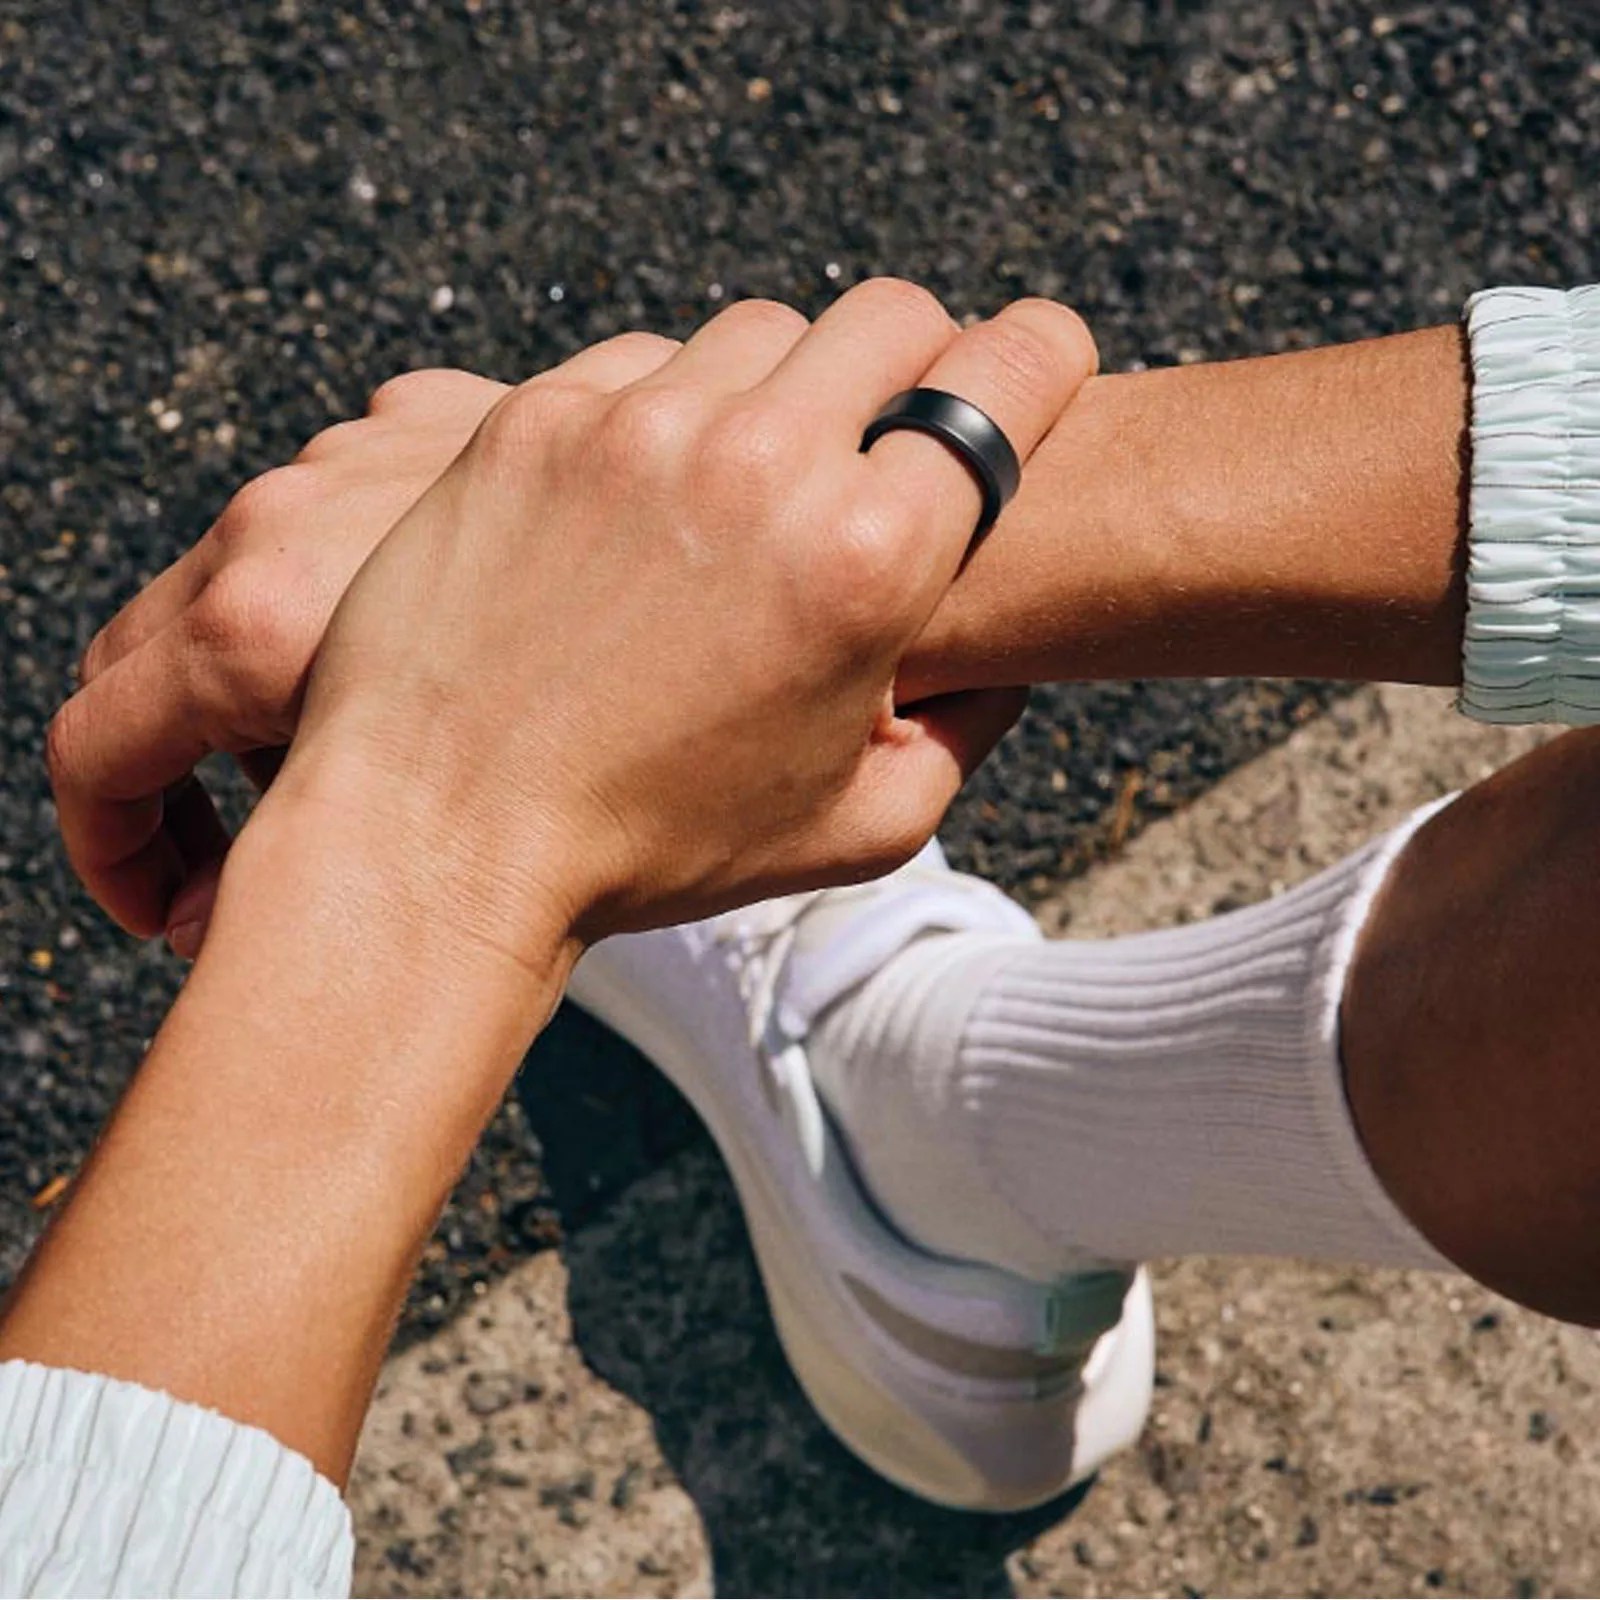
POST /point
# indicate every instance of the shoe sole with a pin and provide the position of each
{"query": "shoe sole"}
(924, 1368)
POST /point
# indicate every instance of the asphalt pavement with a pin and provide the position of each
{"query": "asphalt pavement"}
(222, 225)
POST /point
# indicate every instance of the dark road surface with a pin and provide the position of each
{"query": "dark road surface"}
(222, 226)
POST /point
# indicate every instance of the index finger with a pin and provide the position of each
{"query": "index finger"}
(114, 751)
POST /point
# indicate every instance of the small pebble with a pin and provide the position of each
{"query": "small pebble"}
(485, 1393)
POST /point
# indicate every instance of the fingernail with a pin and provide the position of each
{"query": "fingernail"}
(185, 939)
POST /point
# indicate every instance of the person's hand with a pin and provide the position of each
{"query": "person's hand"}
(212, 656)
(631, 659)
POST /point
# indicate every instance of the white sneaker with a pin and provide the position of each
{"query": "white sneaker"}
(963, 1383)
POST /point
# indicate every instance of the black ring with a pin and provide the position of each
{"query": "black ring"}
(973, 435)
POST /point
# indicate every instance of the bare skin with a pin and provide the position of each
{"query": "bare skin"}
(248, 1224)
(1319, 531)
(1298, 515)
(1469, 1026)
(1294, 515)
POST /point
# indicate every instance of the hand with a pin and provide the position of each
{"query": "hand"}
(631, 659)
(212, 656)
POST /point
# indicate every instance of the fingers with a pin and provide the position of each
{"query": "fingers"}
(192, 824)
(738, 348)
(441, 405)
(192, 662)
(938, 744)
(160, 602)
(871, 343)
(119, 747)
(114, 750)
(1022, 368)
(426, 393)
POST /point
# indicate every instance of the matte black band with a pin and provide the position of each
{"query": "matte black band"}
(959, 424)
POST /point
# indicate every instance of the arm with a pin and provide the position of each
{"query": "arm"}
(1297, 515)
(243, 1234)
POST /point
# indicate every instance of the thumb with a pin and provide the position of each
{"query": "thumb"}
(915, 768)
(956, 731)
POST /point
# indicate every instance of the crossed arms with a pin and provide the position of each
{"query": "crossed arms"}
(634, 641)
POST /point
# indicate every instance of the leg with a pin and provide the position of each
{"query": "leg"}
(1393, 1063)
(1048, 1106)
(1472, 1030)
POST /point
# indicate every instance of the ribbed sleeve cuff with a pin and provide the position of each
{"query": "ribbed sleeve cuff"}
(1532, 649)
(109, 1488)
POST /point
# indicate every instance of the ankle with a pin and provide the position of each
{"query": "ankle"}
(887, 1062)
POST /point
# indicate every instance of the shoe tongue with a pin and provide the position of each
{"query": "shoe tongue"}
(848, 935)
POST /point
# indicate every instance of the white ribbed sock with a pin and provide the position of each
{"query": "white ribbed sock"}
(1047, 1106)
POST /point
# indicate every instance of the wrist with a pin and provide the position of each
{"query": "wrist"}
(421, 876)
(1295, 515)
(361, 933)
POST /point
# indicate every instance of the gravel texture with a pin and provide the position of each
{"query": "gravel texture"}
(222, 226)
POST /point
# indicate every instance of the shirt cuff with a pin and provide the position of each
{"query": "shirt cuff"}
(1532, 646)
(109, 1488)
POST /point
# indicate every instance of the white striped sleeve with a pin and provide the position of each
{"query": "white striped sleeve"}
(107, 1488)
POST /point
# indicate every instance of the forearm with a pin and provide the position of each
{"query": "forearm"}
(1296, 515)
(245, 1232)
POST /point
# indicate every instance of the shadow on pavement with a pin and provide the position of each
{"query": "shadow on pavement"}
(667, 1307)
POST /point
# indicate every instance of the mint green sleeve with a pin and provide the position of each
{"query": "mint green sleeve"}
(107, 1488)
(1532, 644)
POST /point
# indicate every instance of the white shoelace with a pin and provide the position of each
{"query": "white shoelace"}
(757, 942)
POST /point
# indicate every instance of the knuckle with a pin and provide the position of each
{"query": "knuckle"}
(614, 363)
(274, 497)
(396, 392)
(426, 386)
(650, 429)
(749, 448)
(643, 346)
(767, 317)
(520, 421)
(243, 622)
(332, 441)
(62, 744)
